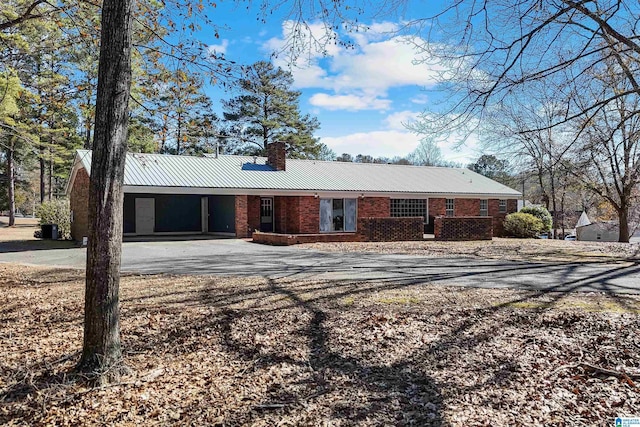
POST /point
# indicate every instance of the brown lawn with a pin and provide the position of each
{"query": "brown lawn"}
(499, 248)
(228, 351)
(22, 230)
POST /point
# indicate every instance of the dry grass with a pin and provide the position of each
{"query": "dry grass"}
(499, 248)
(22, 230)
(231, 351)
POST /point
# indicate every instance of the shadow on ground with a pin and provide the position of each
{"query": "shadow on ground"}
(35, 245)
(353, 352)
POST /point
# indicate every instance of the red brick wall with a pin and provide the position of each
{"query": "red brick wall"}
(309, 214)
(466, 207)
(374, 207)
(463, 228)
(292, 223)
(279, 214)
(390, 229)
(498, 217)
(374, 229)
(242, 219)
(297, 215)
(294, 239)
(436, 207)
(79, 204)
(253, 213)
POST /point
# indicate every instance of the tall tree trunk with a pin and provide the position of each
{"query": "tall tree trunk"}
(623, 220)
(87, 124)
(179, 138)
(12, 187)
(51, 172)
(41, 146)
(101, 354)
(43, 189)
(554, 206)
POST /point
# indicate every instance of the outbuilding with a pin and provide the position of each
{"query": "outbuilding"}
(598, 232)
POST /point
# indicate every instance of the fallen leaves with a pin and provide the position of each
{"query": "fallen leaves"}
(498, 248)
(248, 351)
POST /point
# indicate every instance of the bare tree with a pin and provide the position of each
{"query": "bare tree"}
(498, 53)
(523, 127)
(492, 49)
(608, 151)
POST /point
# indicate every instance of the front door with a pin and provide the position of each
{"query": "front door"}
(145, 215)
(266, 214)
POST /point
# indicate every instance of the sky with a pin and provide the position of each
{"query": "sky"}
(363, 95)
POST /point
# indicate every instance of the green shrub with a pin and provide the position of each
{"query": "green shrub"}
(523, 225)
(541, 213)
(56, 212)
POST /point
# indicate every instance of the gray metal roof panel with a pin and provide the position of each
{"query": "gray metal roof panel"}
(241, 172)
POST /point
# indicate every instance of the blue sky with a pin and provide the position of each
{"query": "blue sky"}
(362, 95)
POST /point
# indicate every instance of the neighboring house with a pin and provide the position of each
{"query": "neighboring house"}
(598, 232)
(237, 195)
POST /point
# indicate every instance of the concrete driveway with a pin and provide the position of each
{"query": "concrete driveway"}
(239, 257)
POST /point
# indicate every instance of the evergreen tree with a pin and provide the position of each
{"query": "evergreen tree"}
(267, 110)
(181, 109)
(493, 167)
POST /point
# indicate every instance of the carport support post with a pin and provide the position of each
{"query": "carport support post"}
(101, 357)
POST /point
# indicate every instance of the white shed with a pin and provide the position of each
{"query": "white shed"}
(599, 232)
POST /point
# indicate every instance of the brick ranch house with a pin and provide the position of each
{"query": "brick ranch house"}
(239, 196)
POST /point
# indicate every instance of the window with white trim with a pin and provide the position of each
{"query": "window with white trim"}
(484, 207)
(338, 215)
(503, 206)
(449, 207)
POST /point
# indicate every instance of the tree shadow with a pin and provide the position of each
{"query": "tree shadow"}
(36, 245)
(289, 334)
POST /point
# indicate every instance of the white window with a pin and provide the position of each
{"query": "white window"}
(503, 206)
(338, 215)
(484, 207)
(449, 207)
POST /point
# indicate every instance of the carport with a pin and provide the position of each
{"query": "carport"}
(151, 214)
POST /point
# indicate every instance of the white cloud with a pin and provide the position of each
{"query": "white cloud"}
(395, 140)
(218, 49)
(386, 143)
(378, 62)
(420, 99)
(397, 120)
(348, 102)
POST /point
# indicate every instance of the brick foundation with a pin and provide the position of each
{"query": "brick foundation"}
(463, 228)
(79, 204)
(369, 230)
(277, 239)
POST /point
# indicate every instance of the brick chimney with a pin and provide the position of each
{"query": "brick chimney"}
(276, 155)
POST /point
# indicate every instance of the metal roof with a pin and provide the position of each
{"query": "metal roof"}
(242, 172)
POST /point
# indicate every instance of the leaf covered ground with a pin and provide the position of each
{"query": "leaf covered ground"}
(546, 250)
(238, 351)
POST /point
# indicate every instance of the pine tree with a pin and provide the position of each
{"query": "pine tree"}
(267, 110)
